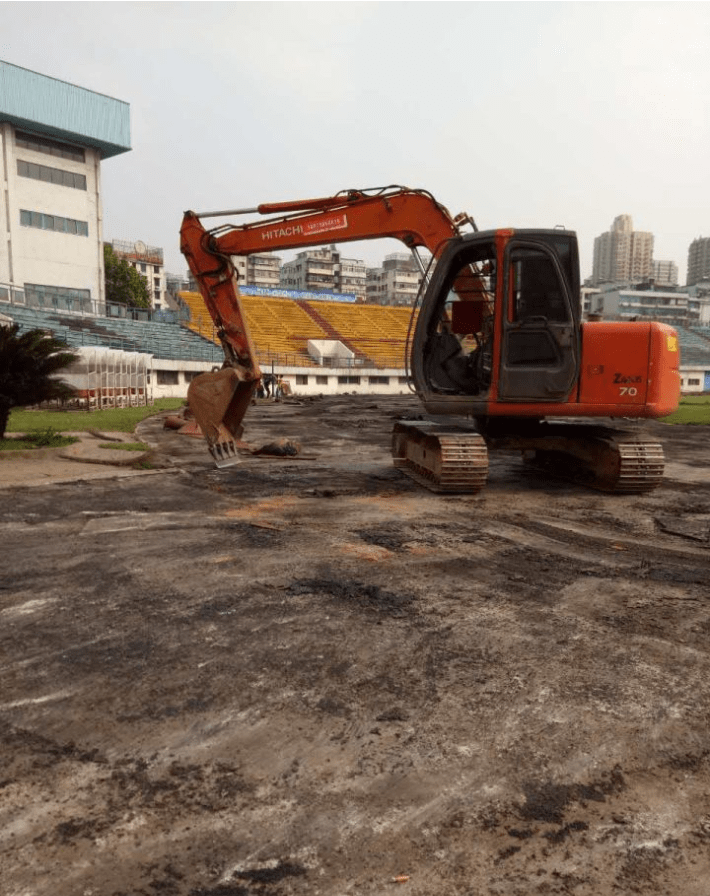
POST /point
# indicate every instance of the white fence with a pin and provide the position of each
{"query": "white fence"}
(110, 378)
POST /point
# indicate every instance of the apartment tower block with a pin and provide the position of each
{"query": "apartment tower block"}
(622, 254)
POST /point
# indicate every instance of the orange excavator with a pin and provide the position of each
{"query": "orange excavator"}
(499, 355)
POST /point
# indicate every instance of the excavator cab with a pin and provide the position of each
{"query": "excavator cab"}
(500, 322)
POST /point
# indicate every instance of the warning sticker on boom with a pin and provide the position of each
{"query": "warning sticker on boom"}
(334, 222)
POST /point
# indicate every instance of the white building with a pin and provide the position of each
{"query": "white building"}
(325, 270)
(148, 261)
(396, 282)
(643, 304)
(53, 138)
(262, 269)
(311, 271)
(350, 276)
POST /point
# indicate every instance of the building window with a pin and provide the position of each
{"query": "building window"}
(379, 380)
(53, 222)
(349, 380)
(322, 380)
(693, 382)
(50, 147)
(51, 175)
(403, 380)
(167, 377)
(301, 380)
(42, 296)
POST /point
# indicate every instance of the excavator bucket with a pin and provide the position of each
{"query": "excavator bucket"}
(218, 402)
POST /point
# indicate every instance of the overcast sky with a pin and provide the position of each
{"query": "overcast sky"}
(522, 114)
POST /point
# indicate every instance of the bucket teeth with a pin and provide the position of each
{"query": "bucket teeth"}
(224, 453)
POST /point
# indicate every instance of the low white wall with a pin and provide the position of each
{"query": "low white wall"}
(693, 379)
(336, 381)
(170, 379)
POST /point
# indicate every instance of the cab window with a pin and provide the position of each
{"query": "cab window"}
(536, 290)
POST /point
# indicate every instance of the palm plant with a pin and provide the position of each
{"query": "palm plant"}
(29, 364)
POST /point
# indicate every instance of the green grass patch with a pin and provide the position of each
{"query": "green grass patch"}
(109, 420)
(693, 410)
(47, 438)
(125, 446)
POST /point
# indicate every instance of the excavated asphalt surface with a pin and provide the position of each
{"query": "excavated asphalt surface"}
(310, 676)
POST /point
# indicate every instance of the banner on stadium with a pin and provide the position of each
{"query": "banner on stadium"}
(278, 293)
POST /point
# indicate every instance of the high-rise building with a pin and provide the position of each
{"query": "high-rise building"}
(698, 261)
(311, 270)
(665, 273)
(622, 254)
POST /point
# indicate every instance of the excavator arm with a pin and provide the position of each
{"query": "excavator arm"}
(220, 400)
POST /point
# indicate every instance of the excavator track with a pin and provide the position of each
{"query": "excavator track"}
(454, 460)
(608, 461)
(641, 466)
(447, 460)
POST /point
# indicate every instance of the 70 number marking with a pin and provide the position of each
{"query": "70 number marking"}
(631, 391)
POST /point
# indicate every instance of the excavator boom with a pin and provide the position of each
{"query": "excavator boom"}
(412, 216)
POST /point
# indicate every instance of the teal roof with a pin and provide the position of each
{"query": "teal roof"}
(57, 109)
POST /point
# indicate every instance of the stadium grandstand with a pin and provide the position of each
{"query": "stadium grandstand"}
(694, 358)
(171, 354)
(282, 328)
(316, 346)
(376, 335)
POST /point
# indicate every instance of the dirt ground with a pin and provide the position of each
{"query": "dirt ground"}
(310, 676)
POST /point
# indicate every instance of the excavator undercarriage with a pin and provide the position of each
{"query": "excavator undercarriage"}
(454, 459)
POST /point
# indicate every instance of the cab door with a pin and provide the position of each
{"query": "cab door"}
(540, 352)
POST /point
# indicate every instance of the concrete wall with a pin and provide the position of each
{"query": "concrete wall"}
(170, 379)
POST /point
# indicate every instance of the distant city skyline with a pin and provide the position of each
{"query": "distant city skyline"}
(346, 249)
